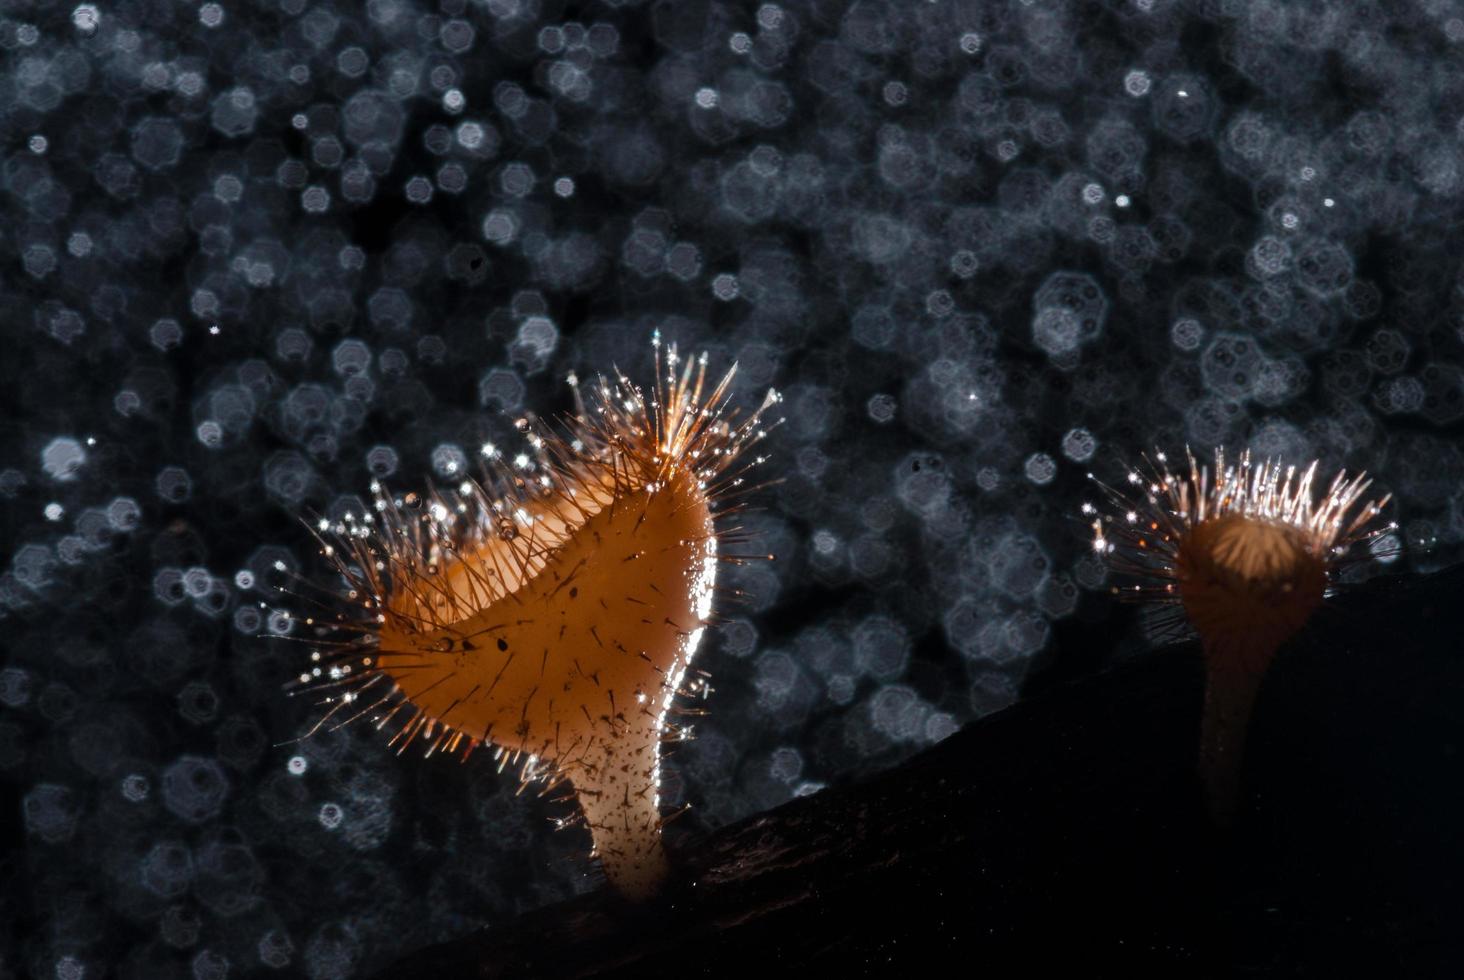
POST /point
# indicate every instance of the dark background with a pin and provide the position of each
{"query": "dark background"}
(255, 256)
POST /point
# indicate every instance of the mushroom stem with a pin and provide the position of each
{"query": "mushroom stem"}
(618, 793)
(1231, 685)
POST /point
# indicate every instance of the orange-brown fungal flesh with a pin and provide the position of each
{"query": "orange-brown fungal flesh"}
(520, 672)
(554, 615)
(1247, 584)
(576, 669)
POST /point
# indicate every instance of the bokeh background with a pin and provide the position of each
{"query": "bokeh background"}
(256, 255)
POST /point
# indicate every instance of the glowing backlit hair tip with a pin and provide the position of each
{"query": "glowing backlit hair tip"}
(1248, 551)
(552, 610)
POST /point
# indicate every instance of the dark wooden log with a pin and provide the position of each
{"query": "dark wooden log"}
(1068, 831)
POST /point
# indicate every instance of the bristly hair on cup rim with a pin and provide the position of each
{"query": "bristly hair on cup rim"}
(1141, 536)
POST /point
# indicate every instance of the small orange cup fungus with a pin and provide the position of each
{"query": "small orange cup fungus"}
(1248, 557)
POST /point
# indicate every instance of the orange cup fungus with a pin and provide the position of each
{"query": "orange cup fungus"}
(553, 611)
(1248, 557)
